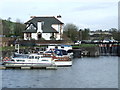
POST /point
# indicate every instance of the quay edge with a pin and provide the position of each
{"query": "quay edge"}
(86, 51)
(27, 68)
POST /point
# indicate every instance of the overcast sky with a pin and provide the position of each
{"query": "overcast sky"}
(93, 14)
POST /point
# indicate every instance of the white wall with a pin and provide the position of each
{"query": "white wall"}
(57, 28)
(25, 38)
(46, 36)
(34, 36)
(57, 36)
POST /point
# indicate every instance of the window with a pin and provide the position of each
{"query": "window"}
(20, 60)
(37, 57)
(28, 35)
(12, 60)
(31, 57)
(44, 60)
(31, 26)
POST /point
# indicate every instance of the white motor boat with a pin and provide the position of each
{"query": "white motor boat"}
(67, 48)
(60, 57)
(32, 60)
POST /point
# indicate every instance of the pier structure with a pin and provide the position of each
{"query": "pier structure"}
(101, 49)
(109, 49)
(28, 68)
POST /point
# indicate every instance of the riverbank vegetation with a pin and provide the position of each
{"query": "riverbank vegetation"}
(7, 48)
(73, 33)
(12, 29)
(84, 45)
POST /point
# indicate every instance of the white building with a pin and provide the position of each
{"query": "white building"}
(48, 28)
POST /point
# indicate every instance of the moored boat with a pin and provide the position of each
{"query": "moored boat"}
(66, 48)
(60, 57)
(63, 61)
(32, 60)
(52, 57)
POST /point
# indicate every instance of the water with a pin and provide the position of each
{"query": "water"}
(100, 72)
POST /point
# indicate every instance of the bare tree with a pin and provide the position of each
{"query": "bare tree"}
(71, 31)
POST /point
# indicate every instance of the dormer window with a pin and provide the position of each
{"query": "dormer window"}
(31, 26)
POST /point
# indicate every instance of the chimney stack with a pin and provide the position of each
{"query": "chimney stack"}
(59, 17)
(32, 16)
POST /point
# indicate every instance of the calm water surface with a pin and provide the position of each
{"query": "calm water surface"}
(100, 72)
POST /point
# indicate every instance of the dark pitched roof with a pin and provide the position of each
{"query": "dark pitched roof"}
(48, 22)
(30, 31)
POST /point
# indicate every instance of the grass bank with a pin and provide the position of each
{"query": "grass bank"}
(7, 48)
(10, 48)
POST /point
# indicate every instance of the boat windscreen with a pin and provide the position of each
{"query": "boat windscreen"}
(64, 52)
(49, 52)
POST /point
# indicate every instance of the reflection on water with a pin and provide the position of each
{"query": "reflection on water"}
(101, 72)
